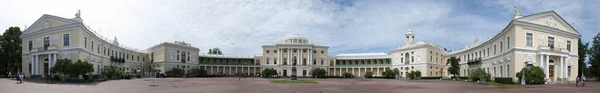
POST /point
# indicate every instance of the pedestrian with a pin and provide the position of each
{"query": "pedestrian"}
(577, 81)
(17, 77)
(48, 79)
(22, 77)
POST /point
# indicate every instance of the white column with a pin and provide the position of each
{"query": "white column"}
(229, 70)
(248, 70)
(340, 71)
(547, 67)
(37, 64)
(242, 69)
(301, 51)
(567, 61)
(299, 57)
(334, 72)
(211, 70)
(358, 71)
(31, 62)
(54, 62)
(289, 57)
(561, 68)
(236, 71)
(309, 55)
(378, 71)
(353, 71)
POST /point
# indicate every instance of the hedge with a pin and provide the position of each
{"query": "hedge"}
(504, 80)
(431, 77)
(332, 77)
(461, 77)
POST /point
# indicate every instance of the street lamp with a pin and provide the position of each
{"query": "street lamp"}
(527, 66)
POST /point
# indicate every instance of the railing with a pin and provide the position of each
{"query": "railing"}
(474, 61)
(230, 55)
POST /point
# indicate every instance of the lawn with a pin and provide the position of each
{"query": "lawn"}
(292, 81)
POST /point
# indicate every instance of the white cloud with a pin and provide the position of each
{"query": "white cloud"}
(242, 26)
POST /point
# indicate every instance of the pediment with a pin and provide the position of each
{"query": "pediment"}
(549, 19)
(48, 21)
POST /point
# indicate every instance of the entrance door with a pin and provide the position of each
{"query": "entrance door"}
(285, 73)
(303, 73)
(551, 71)
(45, 69)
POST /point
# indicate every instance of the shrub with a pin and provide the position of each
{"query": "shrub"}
(504, 80)
(347, 75)
(414, 75)
(388, 74)
(268, 72)
(66, 67)
(196, 72)
(535, 75)
(318, 72)
(175, 72)
(332, 77)
(479, 74)
(431, 77)
(368, 74)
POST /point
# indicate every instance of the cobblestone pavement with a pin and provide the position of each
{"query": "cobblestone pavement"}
(260, 85)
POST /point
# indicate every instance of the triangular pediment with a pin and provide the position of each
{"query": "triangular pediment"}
(549, 19)
(48, 21)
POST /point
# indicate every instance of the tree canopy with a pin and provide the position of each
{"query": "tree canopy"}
(318, 72)
(10, 49)
(594, 53)
(583, 51)
(215, 51)
(454, 68)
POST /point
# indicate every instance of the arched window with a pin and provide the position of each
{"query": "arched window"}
(322, 61)
(314, 61)
(406, 56)
(275, 60)
(267, 60)
(330, 62)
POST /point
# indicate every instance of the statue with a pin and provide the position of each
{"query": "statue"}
(294, 69)
(517, 12)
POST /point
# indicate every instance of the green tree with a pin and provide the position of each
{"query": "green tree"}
(454, 66)
(318, 72)
(10, 48)
(175, 72)
(594, 53)
(196, 72)
(534, 75)
(583, 49)
(479, 74)
(268, 72)
(396, 73)
(80, 68)
(215, 51)
(389, 74)
(414, 75)
(368, 74)
(347, 75)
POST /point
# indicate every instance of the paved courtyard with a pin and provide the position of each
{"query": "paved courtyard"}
(260, 85)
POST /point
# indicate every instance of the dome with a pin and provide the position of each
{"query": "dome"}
(294, 39)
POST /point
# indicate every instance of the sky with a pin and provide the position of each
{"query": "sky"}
(346, 26)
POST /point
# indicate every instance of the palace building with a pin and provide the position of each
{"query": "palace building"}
(543, 39)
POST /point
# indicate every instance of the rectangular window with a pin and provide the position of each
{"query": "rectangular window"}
(98, 47)
(507, 70)
(66, 40)
(84, 42)
(92, 45)
(529, 39)
(30, 45)
(46, 42)
(500, 47)
(551, 42)
(488, 51)
(569, 71)
(138, 58)
(569, 45)
(501, 71)
(507, 43)
(494, 49)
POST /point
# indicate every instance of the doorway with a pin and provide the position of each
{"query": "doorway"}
(285, 73)
(551, 70)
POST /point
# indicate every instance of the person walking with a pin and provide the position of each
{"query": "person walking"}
(577, 81)
(17, 77)
(21, 78)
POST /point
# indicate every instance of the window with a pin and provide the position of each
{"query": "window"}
(30, 45)
(267, 51)
(66, 40)
(322, 61)
(569, 45)
(507, 70)
(92, 45)
(322, 52)
(529, 39)
(104, 51)
(568, 71)
(494, 49)
(274, 51)
(46, 42)
(551, 42)
(274, 60)
(494, 71)
(267, 61)
(84, 42)
(138, 58)
(98, 47)
(500, 47)
(315, 51)
(501, 71)
(507, 43)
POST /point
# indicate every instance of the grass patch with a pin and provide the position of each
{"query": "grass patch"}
(292, 81)
(500, 84)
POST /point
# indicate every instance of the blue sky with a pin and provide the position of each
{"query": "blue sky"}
(347, 26)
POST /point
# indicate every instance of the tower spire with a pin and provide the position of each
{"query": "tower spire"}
(410, 36)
